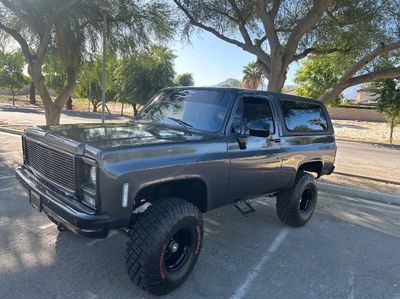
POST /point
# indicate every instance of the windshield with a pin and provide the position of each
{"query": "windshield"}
(191, 108)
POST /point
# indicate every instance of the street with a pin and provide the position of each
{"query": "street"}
(350, 249)
(368, 159)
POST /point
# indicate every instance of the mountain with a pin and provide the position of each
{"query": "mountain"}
(231, 82)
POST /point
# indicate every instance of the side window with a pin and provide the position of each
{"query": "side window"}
(237, 119)
(254, 114)
(303, 117)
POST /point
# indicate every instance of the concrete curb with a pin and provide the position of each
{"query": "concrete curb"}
(363, 194)
(10, 131)
(367, 178)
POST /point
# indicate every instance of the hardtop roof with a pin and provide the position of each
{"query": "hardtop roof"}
(237, 90)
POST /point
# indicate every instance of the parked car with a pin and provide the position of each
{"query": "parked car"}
(190, 150)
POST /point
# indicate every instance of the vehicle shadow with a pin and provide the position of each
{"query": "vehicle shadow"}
(49, 264)
(226, 244)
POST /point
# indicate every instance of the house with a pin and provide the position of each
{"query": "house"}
(365, 97)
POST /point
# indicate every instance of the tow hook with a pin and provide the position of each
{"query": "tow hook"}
(61, 228)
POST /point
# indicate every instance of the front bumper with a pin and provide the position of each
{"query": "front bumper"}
(70, 213)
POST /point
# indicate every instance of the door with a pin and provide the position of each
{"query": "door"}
(254, 149)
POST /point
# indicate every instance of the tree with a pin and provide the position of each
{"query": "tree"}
(279, 33)
(184, 79)
(318, 73)
(55, 77)
(252, 76)
(139, 77)
(73, 27)
(11, 71)
(388, 92)
(90, 77)
(368, 68)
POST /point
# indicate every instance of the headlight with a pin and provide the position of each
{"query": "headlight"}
(89, 200)
(93, 175)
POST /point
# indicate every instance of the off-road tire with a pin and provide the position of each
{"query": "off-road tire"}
(291, 205)
(151, 235)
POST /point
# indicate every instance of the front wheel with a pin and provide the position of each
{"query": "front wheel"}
(296, 206)
(164, 245)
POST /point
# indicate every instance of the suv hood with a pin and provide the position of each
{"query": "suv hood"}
(90, 139)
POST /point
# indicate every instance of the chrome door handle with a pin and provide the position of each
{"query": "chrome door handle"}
(277, 140)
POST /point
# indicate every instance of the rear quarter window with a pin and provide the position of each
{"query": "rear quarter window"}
(303, 116)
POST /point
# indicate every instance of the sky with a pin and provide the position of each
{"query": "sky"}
(212, 61)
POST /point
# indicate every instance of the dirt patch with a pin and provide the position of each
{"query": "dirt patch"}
(365, 131)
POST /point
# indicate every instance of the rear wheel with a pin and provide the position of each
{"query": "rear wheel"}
(296, 206)
(164, 245)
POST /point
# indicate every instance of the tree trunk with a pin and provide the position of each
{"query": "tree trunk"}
(53, 114)
(32, 93)
(122, 109)
(94, 107)
(276, 82)
(277, 75)
(13, 96)
(392, 123)
(135, 110)
(52, 109)
(108, 110)
(69, 104)
(332, 92)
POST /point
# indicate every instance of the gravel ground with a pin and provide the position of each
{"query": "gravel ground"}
(365, 131)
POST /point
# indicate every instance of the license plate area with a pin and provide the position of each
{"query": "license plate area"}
(35, 200)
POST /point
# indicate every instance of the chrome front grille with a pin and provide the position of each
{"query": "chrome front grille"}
(53, 165)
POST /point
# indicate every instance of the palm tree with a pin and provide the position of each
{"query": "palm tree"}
(252, 76)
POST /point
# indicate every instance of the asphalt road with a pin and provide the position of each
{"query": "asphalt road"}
(368, 159)
(350, 249)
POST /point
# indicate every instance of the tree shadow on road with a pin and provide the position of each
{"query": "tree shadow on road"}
(22, 110)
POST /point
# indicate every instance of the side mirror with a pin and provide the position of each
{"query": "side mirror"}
(242, 137)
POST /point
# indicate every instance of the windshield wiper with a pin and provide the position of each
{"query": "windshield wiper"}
(181, 122)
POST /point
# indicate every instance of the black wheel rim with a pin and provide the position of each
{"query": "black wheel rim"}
(178, 250)
(306, 201)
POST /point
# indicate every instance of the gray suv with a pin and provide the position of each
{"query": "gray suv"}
(190, 150)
